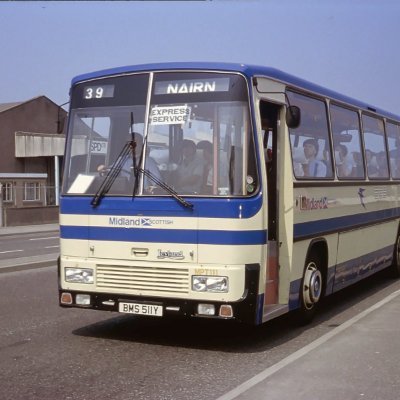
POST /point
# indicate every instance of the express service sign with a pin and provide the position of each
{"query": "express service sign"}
(169, 115)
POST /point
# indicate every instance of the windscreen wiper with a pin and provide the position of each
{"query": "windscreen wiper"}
(165, 186)
(115, 170)
(112, 173)
(137, 169)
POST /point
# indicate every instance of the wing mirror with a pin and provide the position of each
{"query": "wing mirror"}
(293, 117)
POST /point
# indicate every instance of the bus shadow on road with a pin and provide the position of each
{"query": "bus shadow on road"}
(232, 337)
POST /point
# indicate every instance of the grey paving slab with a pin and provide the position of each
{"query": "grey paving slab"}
(360, 360)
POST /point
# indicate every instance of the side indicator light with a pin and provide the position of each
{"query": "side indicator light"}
(66, 298)
(226, 311)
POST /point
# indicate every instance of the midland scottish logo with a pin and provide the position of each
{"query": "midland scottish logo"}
(138, 222)
(313, 203)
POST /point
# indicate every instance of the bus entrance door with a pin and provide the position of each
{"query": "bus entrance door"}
(269, 121)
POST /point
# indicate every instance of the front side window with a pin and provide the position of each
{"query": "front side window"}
(375, 148)
(310, 143)
(193, 136)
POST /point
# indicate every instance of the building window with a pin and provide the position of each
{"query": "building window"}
(31, 191)
(7, 192)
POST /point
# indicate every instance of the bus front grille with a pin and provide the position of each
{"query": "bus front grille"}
(142, 279)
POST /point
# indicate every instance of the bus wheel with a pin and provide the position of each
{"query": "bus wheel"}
(394, 269)
(311, 289)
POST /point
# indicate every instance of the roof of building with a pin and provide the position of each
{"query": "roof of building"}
(9, 106)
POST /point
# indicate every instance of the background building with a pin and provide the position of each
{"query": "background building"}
(31, 149)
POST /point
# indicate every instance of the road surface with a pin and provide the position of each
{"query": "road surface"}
(47, 352)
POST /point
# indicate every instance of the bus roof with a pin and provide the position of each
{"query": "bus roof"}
(248, 70)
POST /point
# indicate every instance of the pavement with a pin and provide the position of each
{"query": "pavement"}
(357, 360)
(22, 263)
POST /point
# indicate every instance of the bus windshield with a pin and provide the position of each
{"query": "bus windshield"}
(189, 130)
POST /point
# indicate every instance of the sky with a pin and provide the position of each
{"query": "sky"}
(350, 46)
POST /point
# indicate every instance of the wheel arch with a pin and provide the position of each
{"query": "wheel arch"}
(319, 247)
(394, 269)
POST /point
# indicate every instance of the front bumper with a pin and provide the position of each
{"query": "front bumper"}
(244, 310)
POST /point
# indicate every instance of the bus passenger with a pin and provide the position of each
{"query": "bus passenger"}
(190, 170)
(372, 167)
(344, 166)
(381, 160)
(395, 165)
(207, 178)
(358, 169)
(313, 167)
(150, 164)
(127, 167)
(298, 160)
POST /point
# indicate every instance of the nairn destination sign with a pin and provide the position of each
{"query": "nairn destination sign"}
(192, 86)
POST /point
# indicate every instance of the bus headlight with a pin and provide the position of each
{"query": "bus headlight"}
(79, 275)
(216, 284)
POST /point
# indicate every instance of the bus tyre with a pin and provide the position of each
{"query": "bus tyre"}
(394, 269)
(310, 289)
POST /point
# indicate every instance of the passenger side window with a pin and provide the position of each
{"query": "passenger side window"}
(310, 145)
(347, 143)
(375, 148)
(393, 136)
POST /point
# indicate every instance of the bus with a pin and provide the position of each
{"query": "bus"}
(222, 191)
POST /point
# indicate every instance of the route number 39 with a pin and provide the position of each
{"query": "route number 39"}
(94, 92)
(98, 92)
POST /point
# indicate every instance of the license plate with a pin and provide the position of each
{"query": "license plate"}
(154, 310)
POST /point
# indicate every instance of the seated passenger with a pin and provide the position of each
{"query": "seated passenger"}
(358, 168)
(206, 182)
(190, 170)
(372, 167)
(313, 167)
(382, 165)
(127, 167)
(344, 167)
(395, 167)
(298, 161)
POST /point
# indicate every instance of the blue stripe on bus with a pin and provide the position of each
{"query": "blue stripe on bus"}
(164, 235)
(347, 273)
(167, 207)
(319, 227)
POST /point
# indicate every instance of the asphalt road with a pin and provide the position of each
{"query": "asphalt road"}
(28, 250)
(29, 244)
(47, 352)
